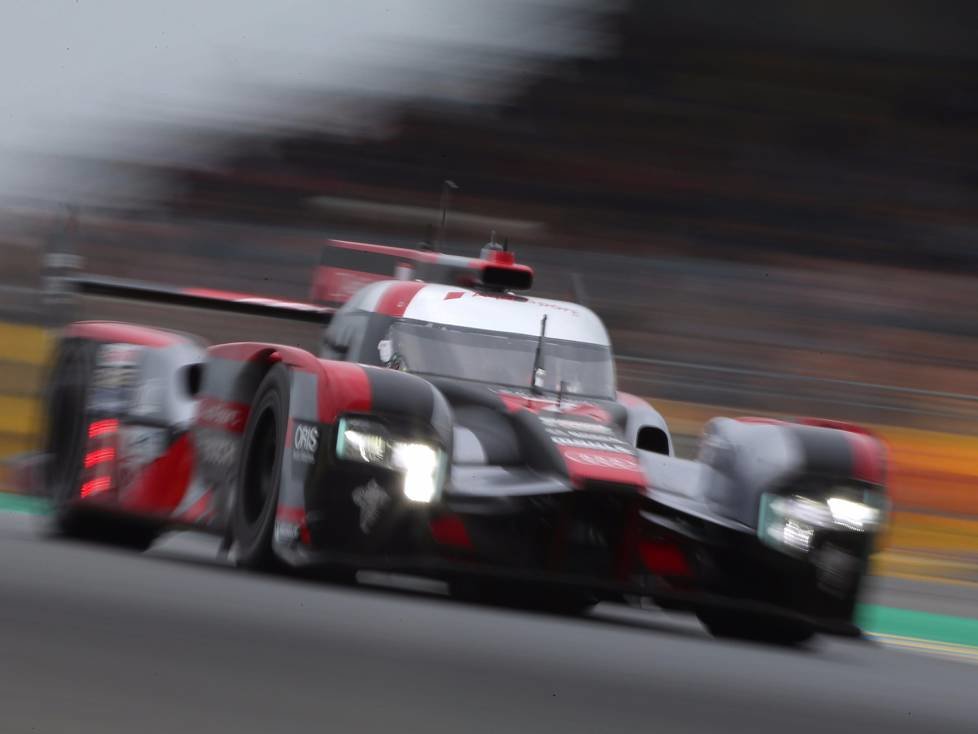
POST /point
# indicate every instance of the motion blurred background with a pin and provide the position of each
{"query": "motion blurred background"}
(772, 205)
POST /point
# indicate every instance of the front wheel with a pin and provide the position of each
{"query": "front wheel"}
(259, 474)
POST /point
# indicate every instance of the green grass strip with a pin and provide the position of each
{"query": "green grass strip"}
(922, 625)
(22, 503)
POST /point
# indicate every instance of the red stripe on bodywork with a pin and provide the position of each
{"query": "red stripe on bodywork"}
(868, 457)
(567, 408)
(397, 297)
(759, 420)
(160, 486)
(338, 285)
(343, 388)
(450, 530)
(584, 464)
(399, 252)
(112, 331)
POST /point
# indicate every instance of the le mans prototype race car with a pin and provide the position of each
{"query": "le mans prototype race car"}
(454, 428)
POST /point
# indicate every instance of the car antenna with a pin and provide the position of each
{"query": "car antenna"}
(538, 358)
(447, 187)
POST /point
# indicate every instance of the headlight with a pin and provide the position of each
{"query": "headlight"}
(854, 515)
(369, 442)
(420, 465)
(789, 523)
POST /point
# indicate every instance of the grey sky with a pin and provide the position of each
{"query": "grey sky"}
(103, 77)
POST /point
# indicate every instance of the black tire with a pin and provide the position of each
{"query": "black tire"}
(755, 628)
(65, 409)
(259, 472)
(65, 441)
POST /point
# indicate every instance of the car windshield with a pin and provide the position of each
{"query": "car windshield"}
(501, 358)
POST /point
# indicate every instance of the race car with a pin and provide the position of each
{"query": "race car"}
(463, 430)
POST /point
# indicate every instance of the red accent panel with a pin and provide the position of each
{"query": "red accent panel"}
(453, 295)
(257, 351)
(838, 425)
(111, 331)
(501, 257)
(290, 514)
(199, 509)
(664, 558)
(337, 285)
(450, 530)
(163, 483)
(868, 458)
(295, 515)
(343, 387)
(399, 252)
(397, 297)
(759, 419)
(568, 406)
(601, 466)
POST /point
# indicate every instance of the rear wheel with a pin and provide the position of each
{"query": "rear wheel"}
(66, 413)
(756, 628)
(262, 451)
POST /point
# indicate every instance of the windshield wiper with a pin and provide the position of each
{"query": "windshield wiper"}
(538, 359)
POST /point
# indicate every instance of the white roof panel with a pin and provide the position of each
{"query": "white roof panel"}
(515, 314)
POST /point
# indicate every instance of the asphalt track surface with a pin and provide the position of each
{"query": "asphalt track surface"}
(101, 640)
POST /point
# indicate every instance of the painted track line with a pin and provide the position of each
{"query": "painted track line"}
(952, 651)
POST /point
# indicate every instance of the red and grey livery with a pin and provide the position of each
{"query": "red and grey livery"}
(462, 430)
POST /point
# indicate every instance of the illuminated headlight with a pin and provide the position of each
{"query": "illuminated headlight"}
(368, 442)
(854, 515)
(789, 523)
(420, 465)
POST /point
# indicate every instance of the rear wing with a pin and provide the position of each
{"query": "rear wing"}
(346, 267)
(97, 285)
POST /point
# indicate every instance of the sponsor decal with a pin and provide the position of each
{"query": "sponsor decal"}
(217, 449)
(622, 462)
(286, 533)
(115, 377)
(139, 446)
(148, 398)
(584, 443)
(216, 413)
(305, 442)
(371, 499)
(585, 435)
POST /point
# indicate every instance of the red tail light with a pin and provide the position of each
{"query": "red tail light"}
(100, 428)
(99, 456)
(94, 486)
